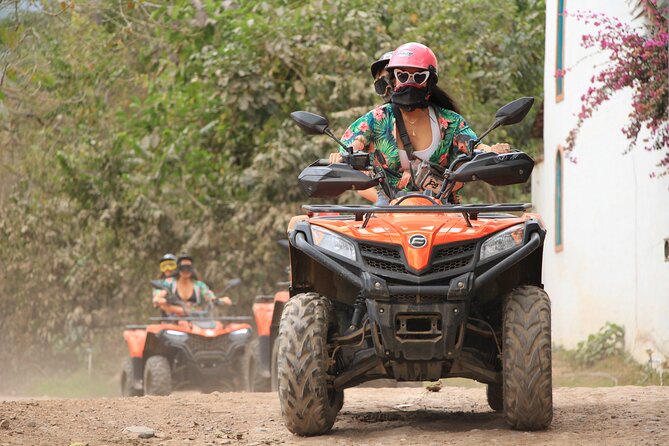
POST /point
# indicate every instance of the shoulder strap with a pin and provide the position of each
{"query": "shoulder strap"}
(196, 290)
(402, 130)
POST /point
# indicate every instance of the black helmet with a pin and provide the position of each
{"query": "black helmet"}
(381, 63)
(183, 256)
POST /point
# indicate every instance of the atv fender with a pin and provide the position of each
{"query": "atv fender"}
(136, 340)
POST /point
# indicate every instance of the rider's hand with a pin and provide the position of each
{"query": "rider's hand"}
(496, 148)
(158, 300)
(406, 177)
(335, 158)
(225, 300)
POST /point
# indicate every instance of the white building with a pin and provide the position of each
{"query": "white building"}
(607, 248)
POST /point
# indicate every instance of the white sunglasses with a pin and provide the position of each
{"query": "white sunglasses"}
(419, 77)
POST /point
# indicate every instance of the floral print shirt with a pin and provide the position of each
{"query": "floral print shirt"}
(376, 131)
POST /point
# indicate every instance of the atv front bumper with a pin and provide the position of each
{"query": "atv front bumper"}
(417, 332)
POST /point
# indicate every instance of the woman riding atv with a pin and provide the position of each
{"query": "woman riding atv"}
(185, 286)
(415, 125)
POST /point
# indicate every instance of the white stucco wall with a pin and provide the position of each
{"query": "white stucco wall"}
(615, 218)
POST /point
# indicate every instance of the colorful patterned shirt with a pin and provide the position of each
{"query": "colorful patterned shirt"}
(376, 130)
(201, 292)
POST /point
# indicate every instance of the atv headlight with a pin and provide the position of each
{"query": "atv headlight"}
(242, 331)
(330, 241)
(507, 239)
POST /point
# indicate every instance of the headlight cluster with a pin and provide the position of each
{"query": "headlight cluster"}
(330, 241)
(508, 239)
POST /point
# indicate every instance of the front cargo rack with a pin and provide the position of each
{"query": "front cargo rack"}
(467, 210)
(361, 209)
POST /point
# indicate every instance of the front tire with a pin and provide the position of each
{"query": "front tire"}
(157, 376)
(309, 404)
(526, 350)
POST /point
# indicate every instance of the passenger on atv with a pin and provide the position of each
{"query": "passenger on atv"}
(186, 287)
(412, 127)
(168, 268)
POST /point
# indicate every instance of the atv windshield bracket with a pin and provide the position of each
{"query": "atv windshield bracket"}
(466, 216)
(367, 217)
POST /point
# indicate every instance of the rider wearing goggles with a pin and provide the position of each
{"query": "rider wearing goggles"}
(383, 82)
(168, 265)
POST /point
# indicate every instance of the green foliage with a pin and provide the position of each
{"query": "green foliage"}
(609, 341)
(137, 128)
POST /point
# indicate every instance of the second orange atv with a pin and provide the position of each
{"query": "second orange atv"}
(417, 290)
(197, 351)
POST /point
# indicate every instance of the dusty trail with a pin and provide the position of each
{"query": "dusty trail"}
(400, 416)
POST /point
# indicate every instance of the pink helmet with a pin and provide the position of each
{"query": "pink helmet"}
(413, 55)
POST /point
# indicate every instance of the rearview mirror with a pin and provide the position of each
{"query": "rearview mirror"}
(233, 283)
(511, 113)
(514, 111)
(310, 123)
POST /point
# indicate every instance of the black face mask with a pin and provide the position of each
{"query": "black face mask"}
(186, 268)
(410, 97)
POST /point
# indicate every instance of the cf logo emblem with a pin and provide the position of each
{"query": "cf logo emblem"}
(417, 241)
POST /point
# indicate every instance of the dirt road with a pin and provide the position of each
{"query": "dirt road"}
(397, 416)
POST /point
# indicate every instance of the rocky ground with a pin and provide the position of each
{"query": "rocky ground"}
(398, 416)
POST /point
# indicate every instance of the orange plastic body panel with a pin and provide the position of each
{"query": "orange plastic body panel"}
(293, 221)
(438, 229)
(263, 312)
(282, 296)
(136, 339)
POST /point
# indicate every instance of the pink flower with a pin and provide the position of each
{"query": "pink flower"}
(364, 126)
(443, 121)
(378, 113)
(347, 134)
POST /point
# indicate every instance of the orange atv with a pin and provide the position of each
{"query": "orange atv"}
(417, 290)
(192, 351)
